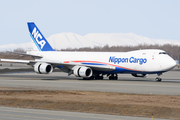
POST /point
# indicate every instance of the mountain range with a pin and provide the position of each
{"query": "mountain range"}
(72, 40)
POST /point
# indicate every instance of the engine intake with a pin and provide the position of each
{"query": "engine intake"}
(84, 72)
(43, 68)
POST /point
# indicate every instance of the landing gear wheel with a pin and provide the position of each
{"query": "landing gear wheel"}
(112, 77)
(98, 77)
(158, 79)
(91, 78)
(101, 77)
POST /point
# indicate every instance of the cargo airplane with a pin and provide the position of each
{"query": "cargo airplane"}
(94, 65)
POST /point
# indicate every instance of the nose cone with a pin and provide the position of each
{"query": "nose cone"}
(168, 64)
(172, 64)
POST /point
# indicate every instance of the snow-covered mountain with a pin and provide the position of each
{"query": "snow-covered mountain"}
(72, 40)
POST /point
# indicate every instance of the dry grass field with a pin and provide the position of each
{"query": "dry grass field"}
(160, 106)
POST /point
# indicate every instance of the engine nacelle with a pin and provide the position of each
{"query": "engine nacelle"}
(43, 68)
(81, 71)
(139, 75)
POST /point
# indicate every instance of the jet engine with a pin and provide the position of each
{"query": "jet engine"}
(43, 68)
(81, 71)
(139, 75)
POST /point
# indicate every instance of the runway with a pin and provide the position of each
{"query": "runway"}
(9, 113)
(170, 84)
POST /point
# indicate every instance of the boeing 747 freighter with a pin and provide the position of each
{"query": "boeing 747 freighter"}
(95, 65)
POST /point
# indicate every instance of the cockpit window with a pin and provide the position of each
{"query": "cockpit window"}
(162, 53)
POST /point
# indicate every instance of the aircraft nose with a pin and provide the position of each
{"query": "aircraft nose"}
(167, 63)
(171, 63)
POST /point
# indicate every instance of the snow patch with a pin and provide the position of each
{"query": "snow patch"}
(72, 40)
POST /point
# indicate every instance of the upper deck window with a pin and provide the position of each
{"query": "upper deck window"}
(162, 53)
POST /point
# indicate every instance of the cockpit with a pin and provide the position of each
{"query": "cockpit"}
(163, 53)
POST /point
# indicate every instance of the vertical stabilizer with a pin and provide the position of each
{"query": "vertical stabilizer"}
(40, 42)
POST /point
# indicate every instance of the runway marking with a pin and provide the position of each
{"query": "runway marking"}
(60, 114)
(33, 117)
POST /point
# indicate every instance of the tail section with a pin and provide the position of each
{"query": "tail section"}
(37, 37)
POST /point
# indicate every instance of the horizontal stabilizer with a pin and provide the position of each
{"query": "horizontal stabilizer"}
(15, 61)
(34, 56)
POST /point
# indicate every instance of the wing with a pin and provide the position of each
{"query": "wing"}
(98, 67)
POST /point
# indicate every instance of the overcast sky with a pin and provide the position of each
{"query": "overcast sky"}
(158, 19)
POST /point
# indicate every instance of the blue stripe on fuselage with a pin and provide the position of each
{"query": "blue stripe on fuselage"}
(93, 64)
(122, 70)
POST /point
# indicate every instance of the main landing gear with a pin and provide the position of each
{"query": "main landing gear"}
(96, 77)
(113, 77)
(99, 77)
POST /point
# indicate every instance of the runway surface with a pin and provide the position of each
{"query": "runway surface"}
(170, 84)
(9, 113)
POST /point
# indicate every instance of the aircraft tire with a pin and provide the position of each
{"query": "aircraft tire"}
(158, 79)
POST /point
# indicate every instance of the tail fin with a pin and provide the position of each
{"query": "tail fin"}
(37, 37)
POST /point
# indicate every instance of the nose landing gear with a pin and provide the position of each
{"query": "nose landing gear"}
(158, 79)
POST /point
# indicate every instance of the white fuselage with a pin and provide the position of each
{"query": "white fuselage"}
(139, 61)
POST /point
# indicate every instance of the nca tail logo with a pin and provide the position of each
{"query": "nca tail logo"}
(38, 37)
